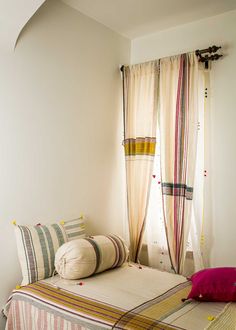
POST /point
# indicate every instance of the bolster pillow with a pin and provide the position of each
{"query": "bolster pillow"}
(87, 256)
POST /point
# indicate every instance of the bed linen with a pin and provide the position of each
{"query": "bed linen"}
(130, 297)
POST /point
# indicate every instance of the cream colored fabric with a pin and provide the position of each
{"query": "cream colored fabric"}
(225, 320)
(37, 245)
(140, 118)
(179, 86)
(84, 257)
(197, 219)
(74, 228)
(127, 287)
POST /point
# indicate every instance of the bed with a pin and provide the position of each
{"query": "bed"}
(128, 297)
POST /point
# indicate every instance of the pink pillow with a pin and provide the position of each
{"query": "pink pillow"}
(214, 284)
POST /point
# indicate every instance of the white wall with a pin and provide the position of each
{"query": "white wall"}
(220, 213)
(60, 129)
(14, 14)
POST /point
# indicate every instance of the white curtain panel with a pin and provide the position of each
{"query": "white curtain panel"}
(140, 118)
(180, 99)
(197, 219)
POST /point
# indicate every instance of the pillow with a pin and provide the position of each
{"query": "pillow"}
(74, 228)
(38, 244)
(214, 284)
(84, 257)
(36, 247)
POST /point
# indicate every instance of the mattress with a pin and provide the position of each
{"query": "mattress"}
(130, 297)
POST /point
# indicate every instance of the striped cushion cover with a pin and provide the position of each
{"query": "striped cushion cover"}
(74, 229)
(84, 257)
(38, 244)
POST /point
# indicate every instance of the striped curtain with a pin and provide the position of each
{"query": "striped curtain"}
(140, 119)
(179, 77)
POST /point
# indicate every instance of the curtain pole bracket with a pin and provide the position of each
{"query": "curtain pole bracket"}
(211, 55)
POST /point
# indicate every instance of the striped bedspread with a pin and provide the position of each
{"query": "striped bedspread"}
(150, 315)
(41, 299)
(123, 298)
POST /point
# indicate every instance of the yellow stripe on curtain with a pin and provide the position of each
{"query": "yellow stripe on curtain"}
(140, 146)
(140, 119)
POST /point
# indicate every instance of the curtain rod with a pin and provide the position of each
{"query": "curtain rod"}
(206, 58)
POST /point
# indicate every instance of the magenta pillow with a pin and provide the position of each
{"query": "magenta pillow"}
(214, 284)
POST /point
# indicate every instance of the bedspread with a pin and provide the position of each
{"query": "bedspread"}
(113, 301)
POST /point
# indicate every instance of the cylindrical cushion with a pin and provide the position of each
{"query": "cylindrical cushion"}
(87, 256)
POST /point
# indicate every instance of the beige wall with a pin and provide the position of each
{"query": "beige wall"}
(13, 16)
(220, 209)
(60, 128)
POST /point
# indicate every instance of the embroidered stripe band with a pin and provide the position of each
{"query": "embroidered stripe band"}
(177, 189)
(140, 146)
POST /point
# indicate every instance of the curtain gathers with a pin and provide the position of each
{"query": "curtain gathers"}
(140, 118)
(171, 85)
(179, 85)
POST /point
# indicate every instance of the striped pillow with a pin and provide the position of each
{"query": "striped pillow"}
(36, 247)
(38, 244)
(74, 228)
(84, 257)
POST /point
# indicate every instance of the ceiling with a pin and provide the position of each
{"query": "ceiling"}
(136, 18)
(130, 18)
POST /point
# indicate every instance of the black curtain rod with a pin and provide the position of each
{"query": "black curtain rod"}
(206, 58)
(211, 55)
(212, 49)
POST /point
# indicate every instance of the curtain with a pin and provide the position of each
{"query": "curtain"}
(155, 236)
(197, 216)
(179, 94)
(140, 120)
